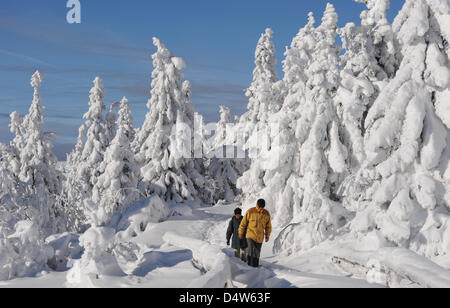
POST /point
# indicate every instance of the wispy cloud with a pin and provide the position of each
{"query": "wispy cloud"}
(71, 41)
(25, 57)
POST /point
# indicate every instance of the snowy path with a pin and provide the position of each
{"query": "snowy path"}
(162, 264)
(209, 225)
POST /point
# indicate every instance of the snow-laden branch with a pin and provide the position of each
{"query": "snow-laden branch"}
(393, 265)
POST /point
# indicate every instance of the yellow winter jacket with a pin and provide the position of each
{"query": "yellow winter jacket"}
(257, 222)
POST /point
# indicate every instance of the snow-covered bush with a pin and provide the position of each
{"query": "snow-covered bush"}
(135, 220)
(97, 260)
(66, 247)
(23, 253)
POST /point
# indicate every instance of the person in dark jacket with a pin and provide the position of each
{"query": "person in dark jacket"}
(239, 245)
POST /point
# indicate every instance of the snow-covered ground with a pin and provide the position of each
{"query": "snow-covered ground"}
(161, 264)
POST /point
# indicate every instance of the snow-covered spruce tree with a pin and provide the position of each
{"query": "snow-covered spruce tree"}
(83, 164)
(96, 137)
(116, 188)
(309, 202)
(38, 163)
(166, 160)
(261, 93)
(265, 99)
(72, 197)
(223, 167)
(407, 141)
(271, 169)
(366, 65)
(29, 186)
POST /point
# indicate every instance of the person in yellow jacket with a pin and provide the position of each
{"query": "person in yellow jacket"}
(259, 227)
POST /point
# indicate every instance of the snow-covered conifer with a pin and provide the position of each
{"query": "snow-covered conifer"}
(116, 188)
(313, 160)
(38, 163)
(265, 99)
(160, 145)
(260, 92)
(407, 140)
(83, 165)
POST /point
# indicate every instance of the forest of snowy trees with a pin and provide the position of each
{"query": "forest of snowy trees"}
(355, 138)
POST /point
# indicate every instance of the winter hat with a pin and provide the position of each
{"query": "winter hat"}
(261, 203)
(237, 211)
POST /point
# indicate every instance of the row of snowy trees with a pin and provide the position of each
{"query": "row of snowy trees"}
(113, 165)
(353, 138)
(362, 132)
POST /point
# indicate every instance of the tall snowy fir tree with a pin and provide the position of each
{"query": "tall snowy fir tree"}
(262, 101)
(406, 138)
(116, 188)
(322, 157)
(362, 78)
(277, 162)
(38, 163)
(164, 142)
(29, 186)
(83, 164)
(265, 99)
(96, 136)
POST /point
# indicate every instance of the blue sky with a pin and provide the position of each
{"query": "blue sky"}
(217, 40)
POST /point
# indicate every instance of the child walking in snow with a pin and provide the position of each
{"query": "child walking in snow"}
(239, 245)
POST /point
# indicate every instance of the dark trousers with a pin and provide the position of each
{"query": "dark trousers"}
(254, 248)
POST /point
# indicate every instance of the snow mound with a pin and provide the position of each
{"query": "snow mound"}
(209, 257)
(137, 217)
(23, 253)
(297, 237)
(66, 247)
(97, 260)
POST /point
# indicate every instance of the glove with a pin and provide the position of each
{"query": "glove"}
(228, 243)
